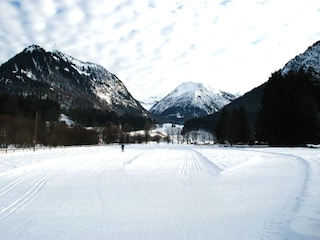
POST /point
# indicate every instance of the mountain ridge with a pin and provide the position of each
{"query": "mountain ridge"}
(308, 60)
(69, 81)
(190, 100)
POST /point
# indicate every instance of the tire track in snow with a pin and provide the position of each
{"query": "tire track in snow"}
(199, 178)
(135, 158)
(10, 204)
(200, 163)
(289, 203)
(183, 169)
(196, 159)
(278, 212)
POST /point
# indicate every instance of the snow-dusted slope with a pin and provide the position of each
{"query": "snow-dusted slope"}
(69, 81)
(190, 100)
(104, 84)
(309, 60)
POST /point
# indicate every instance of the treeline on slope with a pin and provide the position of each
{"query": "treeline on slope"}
(18, 125)
(288, 114)
(96, 117)
(234, 127)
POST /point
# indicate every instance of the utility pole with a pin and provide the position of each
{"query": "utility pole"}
(35, 132)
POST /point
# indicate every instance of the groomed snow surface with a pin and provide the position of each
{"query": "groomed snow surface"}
(160, 192)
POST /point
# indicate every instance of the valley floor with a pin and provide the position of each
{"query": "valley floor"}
(160, 192)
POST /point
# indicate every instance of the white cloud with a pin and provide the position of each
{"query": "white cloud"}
(153, 46)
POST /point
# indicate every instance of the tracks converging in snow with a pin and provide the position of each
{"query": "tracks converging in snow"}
(160, 192)
(195, 162)
(21, 190)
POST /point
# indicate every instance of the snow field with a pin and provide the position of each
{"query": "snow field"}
(160, 192)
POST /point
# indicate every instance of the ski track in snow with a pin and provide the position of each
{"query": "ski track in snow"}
(160, 192)
(24, 189)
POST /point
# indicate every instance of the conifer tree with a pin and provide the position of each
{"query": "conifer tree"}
(223, 126)
(243, 130)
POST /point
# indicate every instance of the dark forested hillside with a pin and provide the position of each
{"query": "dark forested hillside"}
(26, 107)
(68, 81)
(25, 121)
(283, 111)
(289, 113)
(36, 86)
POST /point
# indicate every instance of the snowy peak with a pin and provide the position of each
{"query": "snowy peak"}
(307, 61)
(192, 88)
(69, 81)
(190, 100)
(188, 87)
(33, 48)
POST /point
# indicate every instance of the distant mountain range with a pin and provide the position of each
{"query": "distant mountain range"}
(307, 61)
(72, 83)
(76, 84)
(190, 100)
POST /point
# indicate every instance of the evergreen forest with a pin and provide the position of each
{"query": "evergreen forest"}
(26, 121)
(288, 114)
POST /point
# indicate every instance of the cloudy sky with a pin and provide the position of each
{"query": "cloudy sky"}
(154, 45)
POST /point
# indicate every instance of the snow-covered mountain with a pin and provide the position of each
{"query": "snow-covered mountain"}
(148, 102)
(70, 82)
(190, 100)
(307, 61)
